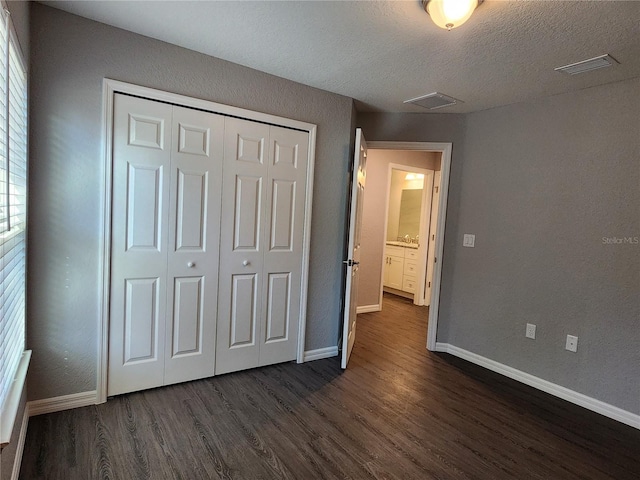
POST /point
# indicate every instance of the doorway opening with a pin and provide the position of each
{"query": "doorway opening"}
(401, 247)
(410, 224)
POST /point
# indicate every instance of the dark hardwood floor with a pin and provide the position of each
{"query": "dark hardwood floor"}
(397, 412)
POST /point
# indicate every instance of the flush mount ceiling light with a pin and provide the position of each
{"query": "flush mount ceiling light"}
(414, 176)
(450, 14)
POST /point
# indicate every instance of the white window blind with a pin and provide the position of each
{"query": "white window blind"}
(13, 191)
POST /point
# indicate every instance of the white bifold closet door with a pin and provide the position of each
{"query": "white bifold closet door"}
(207, 244)
(261, 246)
(167, 173)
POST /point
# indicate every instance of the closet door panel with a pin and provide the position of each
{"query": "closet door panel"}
(187, 326)
(195, 192)
(241, 245)
(277, 312)
(141, 160)
(283, 229)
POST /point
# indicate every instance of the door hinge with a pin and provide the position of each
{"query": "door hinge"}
(429, 284)
(350, 263)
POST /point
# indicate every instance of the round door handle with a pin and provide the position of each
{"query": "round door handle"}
(191, 264)
(246, 262)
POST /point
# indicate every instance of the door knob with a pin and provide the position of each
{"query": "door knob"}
(191, 264)
(245, 263)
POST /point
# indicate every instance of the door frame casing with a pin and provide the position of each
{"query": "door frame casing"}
(445, 169)
(109, 89)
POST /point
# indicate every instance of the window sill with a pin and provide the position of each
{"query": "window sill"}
(12, 402)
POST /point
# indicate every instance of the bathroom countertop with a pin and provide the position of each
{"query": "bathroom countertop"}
(404, 244)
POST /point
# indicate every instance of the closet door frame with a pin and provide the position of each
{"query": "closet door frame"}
(109, 89)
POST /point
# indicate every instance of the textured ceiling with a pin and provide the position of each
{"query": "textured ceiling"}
(384, 52)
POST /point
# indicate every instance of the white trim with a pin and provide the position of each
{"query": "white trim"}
(104, 269)
(445, 168)
(17, 459)
(306, 247)
(192, 102)
(109, 88)
(12, 400)
(320, 353)
(65, 402)
(556, 390)
(369, 308)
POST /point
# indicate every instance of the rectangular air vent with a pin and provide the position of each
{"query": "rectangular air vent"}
(433, 101)
(587, 65)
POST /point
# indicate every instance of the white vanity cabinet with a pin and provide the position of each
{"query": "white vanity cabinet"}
(400, 268)
(393, 267)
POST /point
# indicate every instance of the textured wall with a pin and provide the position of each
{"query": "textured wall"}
(70, 56)
(541, 184)
(373, 210)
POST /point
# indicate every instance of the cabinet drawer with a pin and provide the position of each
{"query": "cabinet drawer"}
(393, 251)
(410, 267)
(411, 253)
(409, 284)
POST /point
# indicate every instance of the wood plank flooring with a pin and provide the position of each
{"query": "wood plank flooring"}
(397, 412)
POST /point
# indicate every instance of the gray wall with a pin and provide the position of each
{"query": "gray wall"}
(373, 210)
(541, 184)
(70, 56)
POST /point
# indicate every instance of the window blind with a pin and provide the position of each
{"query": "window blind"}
(13, 190)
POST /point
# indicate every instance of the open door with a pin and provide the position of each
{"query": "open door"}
(353, 262)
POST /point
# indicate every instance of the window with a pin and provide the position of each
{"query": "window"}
(13, 190)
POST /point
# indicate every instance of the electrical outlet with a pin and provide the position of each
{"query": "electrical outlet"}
(469, 240)
(531, 331)
(572, 343)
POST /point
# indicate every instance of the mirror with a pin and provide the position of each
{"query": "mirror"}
(405, 202)
(409, 223)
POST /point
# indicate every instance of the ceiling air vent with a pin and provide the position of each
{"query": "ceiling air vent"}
(433, 101)
(588, 65)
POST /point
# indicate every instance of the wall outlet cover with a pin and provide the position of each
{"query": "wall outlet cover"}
(531, 331)
(572, 343)
(469, 240)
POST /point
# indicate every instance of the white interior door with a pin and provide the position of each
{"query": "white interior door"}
(353, 262)
(167, 166)
(283, 231)
(142, 158)
(435, 204)
(425, 222)
(241, 259)
(194, 236)
(261, 247)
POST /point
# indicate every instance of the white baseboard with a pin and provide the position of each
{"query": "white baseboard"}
(559, 391)
(65, 402)
(320, 353)
(369, 308)
(17, 460)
